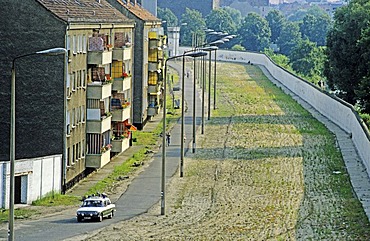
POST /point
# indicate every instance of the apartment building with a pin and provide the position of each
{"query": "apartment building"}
(88, 94)
(148, 60)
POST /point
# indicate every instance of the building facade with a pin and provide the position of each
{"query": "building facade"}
(148, 58)
(74, 113)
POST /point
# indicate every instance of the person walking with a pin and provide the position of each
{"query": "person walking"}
(168, 138)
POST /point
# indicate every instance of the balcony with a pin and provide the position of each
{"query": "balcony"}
(152, 111)
(120, 145)
(121, 54)
(121, 114)
(122, 84)
(99, 57)
(98, 160)
(97, 126)
(154, 90)
(154, 66)
(99, 90)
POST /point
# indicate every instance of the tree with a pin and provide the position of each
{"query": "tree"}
(308, 59)
(235, 15)
(167, 15)
(363, 91)
(220, 21)
(301, 13)
(194, 26)
(347, 52)
(315, 28)
(289, 38)
(254, 32)
(276, 21)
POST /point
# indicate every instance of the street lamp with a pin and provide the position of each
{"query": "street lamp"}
(209, 49)
(215, 43)
(53, 51)
(163, 179)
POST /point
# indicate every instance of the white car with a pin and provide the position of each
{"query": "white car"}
(96, 208)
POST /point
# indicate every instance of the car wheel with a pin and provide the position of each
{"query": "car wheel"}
(111, 214)
(101, 217)
(79, 219)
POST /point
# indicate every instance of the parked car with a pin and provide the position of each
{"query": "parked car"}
(96, 208)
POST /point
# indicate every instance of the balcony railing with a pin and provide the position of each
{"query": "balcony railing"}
(153, 66)
(98, 160)
(152, 111)
(122, 54)
(120, 145)
(121, 114)
(99, 57)
(99, 90)
(98, 126)
(154, 90)
(122, 84)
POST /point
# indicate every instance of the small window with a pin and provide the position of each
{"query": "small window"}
(83, 77)
(74, 44)
(73, 77)
(84, 43)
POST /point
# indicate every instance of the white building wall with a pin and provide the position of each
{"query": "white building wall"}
(39, 176)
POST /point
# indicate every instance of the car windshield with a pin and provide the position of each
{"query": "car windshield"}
(92, 203)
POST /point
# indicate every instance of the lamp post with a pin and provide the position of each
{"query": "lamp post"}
(194, 55)
(215, 43)
(163, 175)
(54, 51)
(209, 49)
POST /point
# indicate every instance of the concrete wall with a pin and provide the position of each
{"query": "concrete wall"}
(335, 109)
(39, 177)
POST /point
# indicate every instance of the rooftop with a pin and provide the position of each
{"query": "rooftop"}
(84, 11)
(138, 11)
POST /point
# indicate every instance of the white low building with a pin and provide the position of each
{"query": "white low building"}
(34, 178)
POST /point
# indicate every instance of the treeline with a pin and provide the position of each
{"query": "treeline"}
(334, 53)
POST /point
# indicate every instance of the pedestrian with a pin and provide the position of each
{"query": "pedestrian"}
(168, 137)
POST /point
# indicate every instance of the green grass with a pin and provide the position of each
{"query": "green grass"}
(56, 199)
(119, 171)
(19, 213)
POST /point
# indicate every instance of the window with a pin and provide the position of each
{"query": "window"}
(74, 44)
(68, 120)
(73, 118)
(68, 85)
(83, 148)
(77, 151)
(73, 154)
(79, 44)
(78, 78)
(117, 69)
(83, 84)
(153, 77)
(68, 157)
(82, 113)
(73, 76)
(84, 43)
(75, 80)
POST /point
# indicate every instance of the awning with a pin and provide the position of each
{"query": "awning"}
(131, 127)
